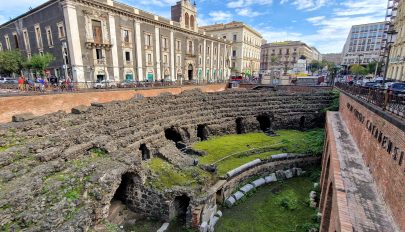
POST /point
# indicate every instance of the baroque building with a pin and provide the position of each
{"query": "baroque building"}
(396, 62)
(285, 55)
(95, 40)
(246, 43)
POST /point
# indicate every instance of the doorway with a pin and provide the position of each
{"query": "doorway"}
(190, 72)
(100, 78)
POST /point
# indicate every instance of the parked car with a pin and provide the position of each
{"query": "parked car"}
(398, 88)
(12, 81)
(4, 79)
(370, 85)
(105, 84)
(127, 84)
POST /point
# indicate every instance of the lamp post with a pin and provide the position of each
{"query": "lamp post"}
(390, 40)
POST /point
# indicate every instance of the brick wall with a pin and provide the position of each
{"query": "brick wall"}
(45, 104)
(381, 139)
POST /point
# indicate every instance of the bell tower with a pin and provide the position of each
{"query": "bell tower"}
(185, 13)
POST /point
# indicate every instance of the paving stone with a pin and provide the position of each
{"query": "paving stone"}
(288, 174)
(247, 188)
(230, 201)
(238, 195)
(271, 178)
(258, 182)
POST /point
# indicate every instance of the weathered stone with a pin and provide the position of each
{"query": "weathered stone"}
(279, 156)
(96, 104)
(280, 175)
(212, 223)
(23, 117)
(247, 188)
(219, 213)
(288, 174)
(258, 182)
(80, 109)
(204, 227)
(164, 227)
(243, 168)
(238, 195)
(297, 171)
(230, 201)
(271, 178)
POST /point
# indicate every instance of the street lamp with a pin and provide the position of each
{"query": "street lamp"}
(391, 34)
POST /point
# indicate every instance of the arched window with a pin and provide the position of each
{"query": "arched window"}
(190, 47)
(192, 22)
(186, 18)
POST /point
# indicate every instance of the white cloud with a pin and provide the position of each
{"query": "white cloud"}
(247, 3)
(247, 12)
(307, 5)
(220, 16)
(17, 7)
(360, 7)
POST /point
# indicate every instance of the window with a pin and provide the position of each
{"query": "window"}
(190, 47)
(26, 40)
(99, 54)
(208, 50)
(224, 37)
(200, 61)
(165, 60)
(49, 36)
(148, 40)
(16, 41)
(61, 30)
(178, 45)
(192, 22)
(234, 53)
(178, 60)
(165, 43)
(215, 51)
(234, 37)
(186, 18)
(65, 54)
(200, 48)
(38, 37)
(127, 56)
(149, 58)
(97, 33)
(125, 36)
(7, 42)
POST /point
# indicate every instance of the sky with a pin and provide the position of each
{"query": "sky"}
(324, 24)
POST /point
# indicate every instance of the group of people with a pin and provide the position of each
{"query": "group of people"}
(43, 83)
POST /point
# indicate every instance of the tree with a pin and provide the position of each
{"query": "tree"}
(372, 66)
(357, 69)
(10, 62)
(315, 66)
(40, 62)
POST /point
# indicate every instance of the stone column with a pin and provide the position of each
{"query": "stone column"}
(204, 60)
(158, 72)
(211, 57)
(74, 43)
(172, 58)
(114, 49)
(139, 49)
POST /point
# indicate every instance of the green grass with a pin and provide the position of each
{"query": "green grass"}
(291, 141)
(280, 207)
(165, 175)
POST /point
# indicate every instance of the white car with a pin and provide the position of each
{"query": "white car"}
(105, 84)
(4, 80)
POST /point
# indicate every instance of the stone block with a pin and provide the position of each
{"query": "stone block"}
(79, 109)
(247, 188)
(230, 201)
(208, 212)
(288, 174)
(280, 175)
(204, 227)
(243, 168)
(280, 156)
(259, 182)
(164, 227)
(271, 178)
(219, 213)
(23, 117)
(214, 220)
(297, 171)
(238, 195)
(96, 104)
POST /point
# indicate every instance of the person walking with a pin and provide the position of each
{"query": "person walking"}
(21, 83)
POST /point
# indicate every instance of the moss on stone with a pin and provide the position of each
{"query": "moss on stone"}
(291, 141)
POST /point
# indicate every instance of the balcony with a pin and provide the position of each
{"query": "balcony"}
(101, 61)
(98, 43)
(190, 54)
(148, 47)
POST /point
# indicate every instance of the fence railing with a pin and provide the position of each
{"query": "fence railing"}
(387, 100)
(90, 86)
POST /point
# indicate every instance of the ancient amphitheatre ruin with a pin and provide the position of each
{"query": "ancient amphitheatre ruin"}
(65, 171)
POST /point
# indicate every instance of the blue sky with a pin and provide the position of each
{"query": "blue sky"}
(324, 24)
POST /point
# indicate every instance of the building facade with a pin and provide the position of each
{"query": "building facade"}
(335, 58)
(396, 62)
(95, 40)
(285, 55)
(246, 43)
(363, 44)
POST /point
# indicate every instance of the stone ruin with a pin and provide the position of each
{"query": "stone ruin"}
(49, 182)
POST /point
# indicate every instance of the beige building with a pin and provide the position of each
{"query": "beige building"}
(396, 65)
(284, 55)
(246, 43)
(335, 58)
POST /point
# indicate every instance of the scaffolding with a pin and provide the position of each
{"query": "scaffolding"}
(390, 16)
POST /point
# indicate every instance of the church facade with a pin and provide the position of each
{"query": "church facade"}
(96, 40)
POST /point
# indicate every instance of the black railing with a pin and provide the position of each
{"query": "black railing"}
(387, 100)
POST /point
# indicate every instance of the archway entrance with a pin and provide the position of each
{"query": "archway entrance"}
(302, 123)
(174, 135)
(145, 152)
(264, 121)
(190, 72)
(202, 132)
(181, 204)
(240, 128)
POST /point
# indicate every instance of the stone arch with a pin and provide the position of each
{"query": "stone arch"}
(240, 126)
(173, 134)
(264, 122)
(192, 22)
(202, 132)
(190, 72)
(302, 123)
(186, 19)
(145, 152)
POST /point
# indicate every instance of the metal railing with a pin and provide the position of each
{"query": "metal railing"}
(387, 100)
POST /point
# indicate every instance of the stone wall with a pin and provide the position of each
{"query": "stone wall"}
(53, 152)
(381, 139)
(45, 104)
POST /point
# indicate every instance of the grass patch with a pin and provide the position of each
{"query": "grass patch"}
(291, 141)
(167, 176)
(334, 105)
(281, 207)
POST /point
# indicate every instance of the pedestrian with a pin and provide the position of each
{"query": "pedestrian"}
(21, 83)
(68, 84)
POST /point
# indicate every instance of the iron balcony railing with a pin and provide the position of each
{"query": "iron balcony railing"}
(387, 100)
